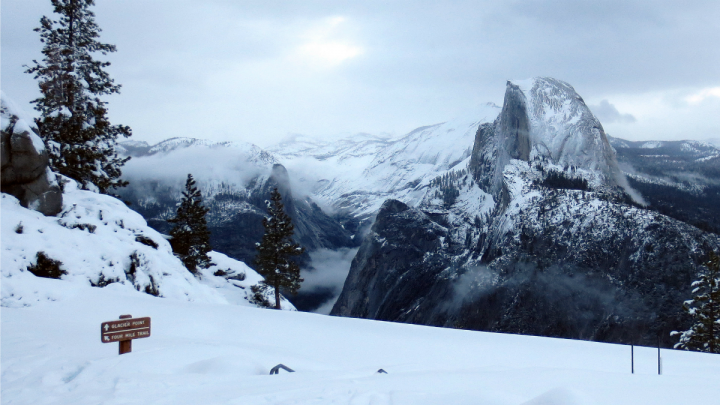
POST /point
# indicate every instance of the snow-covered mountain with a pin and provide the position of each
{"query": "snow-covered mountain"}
(339, 185)
(335, 187)
(354, 175)
(537, 233)
(350, 177)
(234, 178)
(713, 141)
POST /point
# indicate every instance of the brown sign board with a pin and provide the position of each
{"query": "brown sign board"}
(125, 329)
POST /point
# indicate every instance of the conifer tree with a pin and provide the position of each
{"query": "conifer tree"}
(704, 334)
(190, 235)
(73, 118)
(277, 247)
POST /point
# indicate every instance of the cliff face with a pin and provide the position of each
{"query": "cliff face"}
(545, 121)
(536, 235)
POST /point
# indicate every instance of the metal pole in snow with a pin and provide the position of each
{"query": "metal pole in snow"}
(659, 371)
(632, 359)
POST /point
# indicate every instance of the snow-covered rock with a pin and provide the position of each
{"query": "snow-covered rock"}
(25, 172)
(98, 241)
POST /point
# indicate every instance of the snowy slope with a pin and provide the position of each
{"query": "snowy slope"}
(714, 141)
(356, 174)
(218, 354)
(101, 242)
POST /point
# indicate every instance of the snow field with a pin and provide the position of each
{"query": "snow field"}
(205, 353)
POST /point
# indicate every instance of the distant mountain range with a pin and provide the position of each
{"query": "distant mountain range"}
(680, 179)
(456, 179)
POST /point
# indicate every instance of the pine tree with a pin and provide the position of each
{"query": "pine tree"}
(276, 248)
(73, 119)
(704, 334)
(190, 235)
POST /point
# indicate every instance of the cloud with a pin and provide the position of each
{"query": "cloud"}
(608, 114)
(330, 269)
(476, 282)
(703, 94)
(330, 53)
(325, 46)
(257, 70)
(667, 115)
(207, 165)
(625, 185)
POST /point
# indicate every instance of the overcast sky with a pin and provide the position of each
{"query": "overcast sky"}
(259, 71)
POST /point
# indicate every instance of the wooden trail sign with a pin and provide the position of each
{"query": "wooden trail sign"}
(124, 331)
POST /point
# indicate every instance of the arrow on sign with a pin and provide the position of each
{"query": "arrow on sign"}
(124, 329)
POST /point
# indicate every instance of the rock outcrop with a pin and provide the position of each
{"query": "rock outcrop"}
(512, 251)
(25, 171)
(546, 121)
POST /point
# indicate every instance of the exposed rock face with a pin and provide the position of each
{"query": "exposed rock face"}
(314, 229)
(544, 120)
(512, 254)
(395, 251)
(514, 124)
(280, 179)
(25, 172)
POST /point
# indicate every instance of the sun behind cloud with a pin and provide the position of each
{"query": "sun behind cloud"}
(325, 46)
(332, 53)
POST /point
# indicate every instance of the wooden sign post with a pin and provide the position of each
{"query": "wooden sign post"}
(124, 331)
